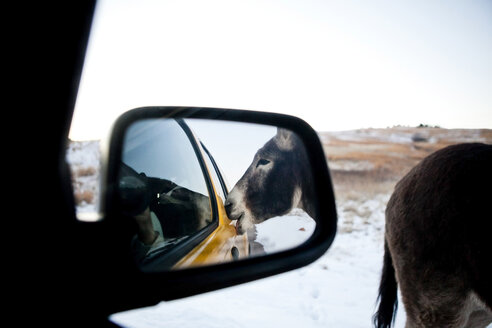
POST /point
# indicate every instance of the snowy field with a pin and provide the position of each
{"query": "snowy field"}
(337, 290)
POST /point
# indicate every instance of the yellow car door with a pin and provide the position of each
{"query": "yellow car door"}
(223, 244)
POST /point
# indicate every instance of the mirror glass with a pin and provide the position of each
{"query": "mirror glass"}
(202, 192)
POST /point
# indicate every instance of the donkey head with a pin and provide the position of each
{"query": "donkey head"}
(272, 184)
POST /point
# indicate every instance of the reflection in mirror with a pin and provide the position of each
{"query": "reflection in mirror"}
(175, 183)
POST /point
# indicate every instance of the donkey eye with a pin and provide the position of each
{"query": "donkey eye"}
(262, 162)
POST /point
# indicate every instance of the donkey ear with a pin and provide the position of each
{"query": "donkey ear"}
(284, 139)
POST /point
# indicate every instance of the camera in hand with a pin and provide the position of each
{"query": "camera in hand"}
(133, 190)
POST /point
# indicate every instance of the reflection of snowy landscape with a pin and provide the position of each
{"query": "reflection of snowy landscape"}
(340, 288)
(285, 232)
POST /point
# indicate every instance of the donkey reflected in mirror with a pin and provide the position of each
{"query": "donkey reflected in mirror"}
(437, 242)
(278, 180)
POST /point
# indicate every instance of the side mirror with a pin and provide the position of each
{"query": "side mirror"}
(184, 227)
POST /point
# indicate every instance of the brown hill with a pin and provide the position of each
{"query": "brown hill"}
(373, 160)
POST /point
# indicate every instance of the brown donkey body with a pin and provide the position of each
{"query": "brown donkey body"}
(438, 245)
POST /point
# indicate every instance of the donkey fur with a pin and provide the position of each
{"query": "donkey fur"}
(438, 246)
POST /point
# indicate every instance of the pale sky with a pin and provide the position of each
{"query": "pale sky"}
(336, 64)
(233, 145)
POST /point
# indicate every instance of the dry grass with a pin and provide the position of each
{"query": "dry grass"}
(85, 196)
(371, 161)
(84, 183)
(85, 171)
(486, 134)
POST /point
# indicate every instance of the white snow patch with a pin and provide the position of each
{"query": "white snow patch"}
(285, 232)
(349, 165)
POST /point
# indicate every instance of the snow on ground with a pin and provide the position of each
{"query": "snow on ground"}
(405, 135)
(337, 290)
(285, 232)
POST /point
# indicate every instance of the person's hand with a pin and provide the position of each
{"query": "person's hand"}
(145, 232)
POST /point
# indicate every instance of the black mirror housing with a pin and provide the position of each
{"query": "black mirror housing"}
(171, 285)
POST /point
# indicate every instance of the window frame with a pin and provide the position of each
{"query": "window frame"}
(215, 167)
(167, 257)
